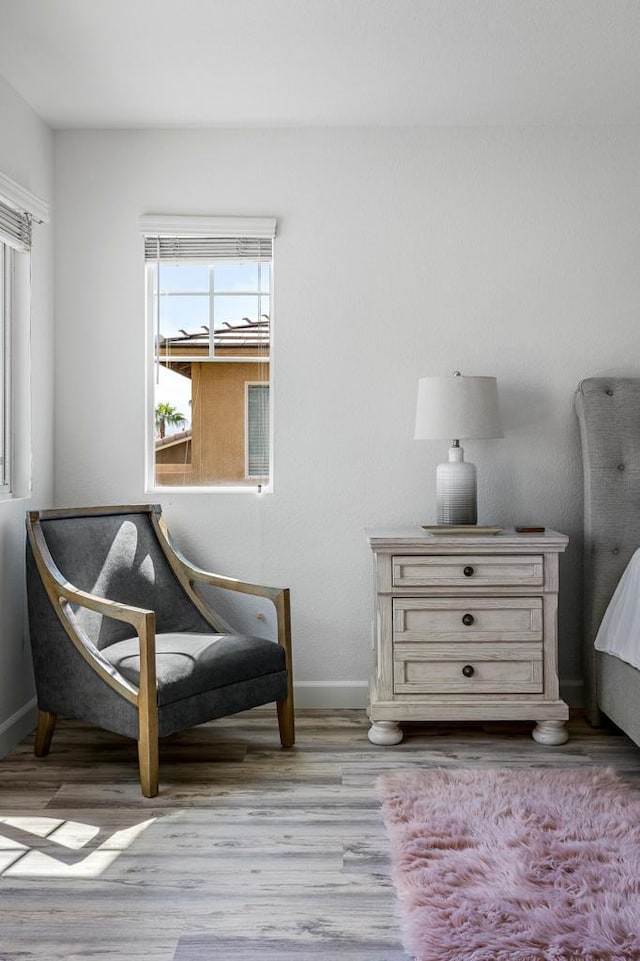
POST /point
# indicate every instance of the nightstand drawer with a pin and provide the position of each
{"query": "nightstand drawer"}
(419, 620)
(472, 570)
(467, 669)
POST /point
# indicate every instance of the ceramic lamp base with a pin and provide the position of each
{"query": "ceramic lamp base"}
(456, 490)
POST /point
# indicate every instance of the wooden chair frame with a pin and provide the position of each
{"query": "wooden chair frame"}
(62, 595)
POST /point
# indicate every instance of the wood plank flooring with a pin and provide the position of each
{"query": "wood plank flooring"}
(249, 853)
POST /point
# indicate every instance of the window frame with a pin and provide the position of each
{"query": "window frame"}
(260, 485)
(7, 304)
(20, 210)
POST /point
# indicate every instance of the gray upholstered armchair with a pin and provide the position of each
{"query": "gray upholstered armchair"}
(122, 640)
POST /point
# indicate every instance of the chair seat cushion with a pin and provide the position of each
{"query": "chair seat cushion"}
(188, 664)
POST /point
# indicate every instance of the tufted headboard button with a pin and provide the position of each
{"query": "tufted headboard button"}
(616, 550)
(620, 466)
(608, 392)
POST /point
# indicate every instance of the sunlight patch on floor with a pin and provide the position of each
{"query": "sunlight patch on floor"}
(19, 860)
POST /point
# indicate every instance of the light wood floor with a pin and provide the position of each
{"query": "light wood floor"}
(250, 853)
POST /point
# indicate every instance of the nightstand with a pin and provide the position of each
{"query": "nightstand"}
(466, 629)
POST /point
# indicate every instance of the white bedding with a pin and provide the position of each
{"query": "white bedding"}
(619, 633)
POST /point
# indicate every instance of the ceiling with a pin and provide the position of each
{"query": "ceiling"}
(141, 63)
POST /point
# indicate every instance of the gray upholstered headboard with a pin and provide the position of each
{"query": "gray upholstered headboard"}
(609, 414)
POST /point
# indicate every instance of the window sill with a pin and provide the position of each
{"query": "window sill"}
(253, 489)
(12, 498)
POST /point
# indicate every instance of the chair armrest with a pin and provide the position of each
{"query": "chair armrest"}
(136, 616)
(184, 567)
(187, 573)
(142, 621)
(279, 596)
(227, 583)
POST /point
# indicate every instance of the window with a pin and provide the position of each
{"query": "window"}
(209, 321)
(19, 209)
(6, 300)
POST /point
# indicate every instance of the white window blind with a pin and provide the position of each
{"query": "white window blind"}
(18, 209)
(208, 239)
(207, 249)
(15, 228)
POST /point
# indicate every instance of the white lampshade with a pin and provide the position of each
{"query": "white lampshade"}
(457, 407)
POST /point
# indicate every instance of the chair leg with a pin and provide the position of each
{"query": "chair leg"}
(286, 722)
(148, 764)
(44, 733)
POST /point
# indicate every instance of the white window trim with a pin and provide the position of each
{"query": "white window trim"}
(150, 486)
(20, 198)
(17, 358)
(166, 225)
(16, 319)
(150, 368)
(6, 314)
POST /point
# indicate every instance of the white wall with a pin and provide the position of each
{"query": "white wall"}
(26, 155)
(400, 253)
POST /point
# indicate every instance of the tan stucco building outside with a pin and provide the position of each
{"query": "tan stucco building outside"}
(214, 451)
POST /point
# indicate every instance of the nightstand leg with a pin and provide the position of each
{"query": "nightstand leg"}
(385, 732)
(550, 732)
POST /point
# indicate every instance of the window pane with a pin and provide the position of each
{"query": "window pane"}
(234, 310)
(184, 277)
(265, 278)
(184, 315)
(231, 277)
(172, 421)
(172, 401)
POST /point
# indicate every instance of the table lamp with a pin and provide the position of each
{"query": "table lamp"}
(460, 408)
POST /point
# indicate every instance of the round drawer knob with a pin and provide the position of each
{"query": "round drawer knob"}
(468, 571)
(468, 671)
(468, 619)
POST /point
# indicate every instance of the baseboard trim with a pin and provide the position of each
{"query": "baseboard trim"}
(336, 694)
(16, 727)
(307, 694)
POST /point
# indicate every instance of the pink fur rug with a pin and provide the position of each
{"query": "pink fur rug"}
(515, 865)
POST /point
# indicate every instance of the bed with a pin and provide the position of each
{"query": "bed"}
(609, 415)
